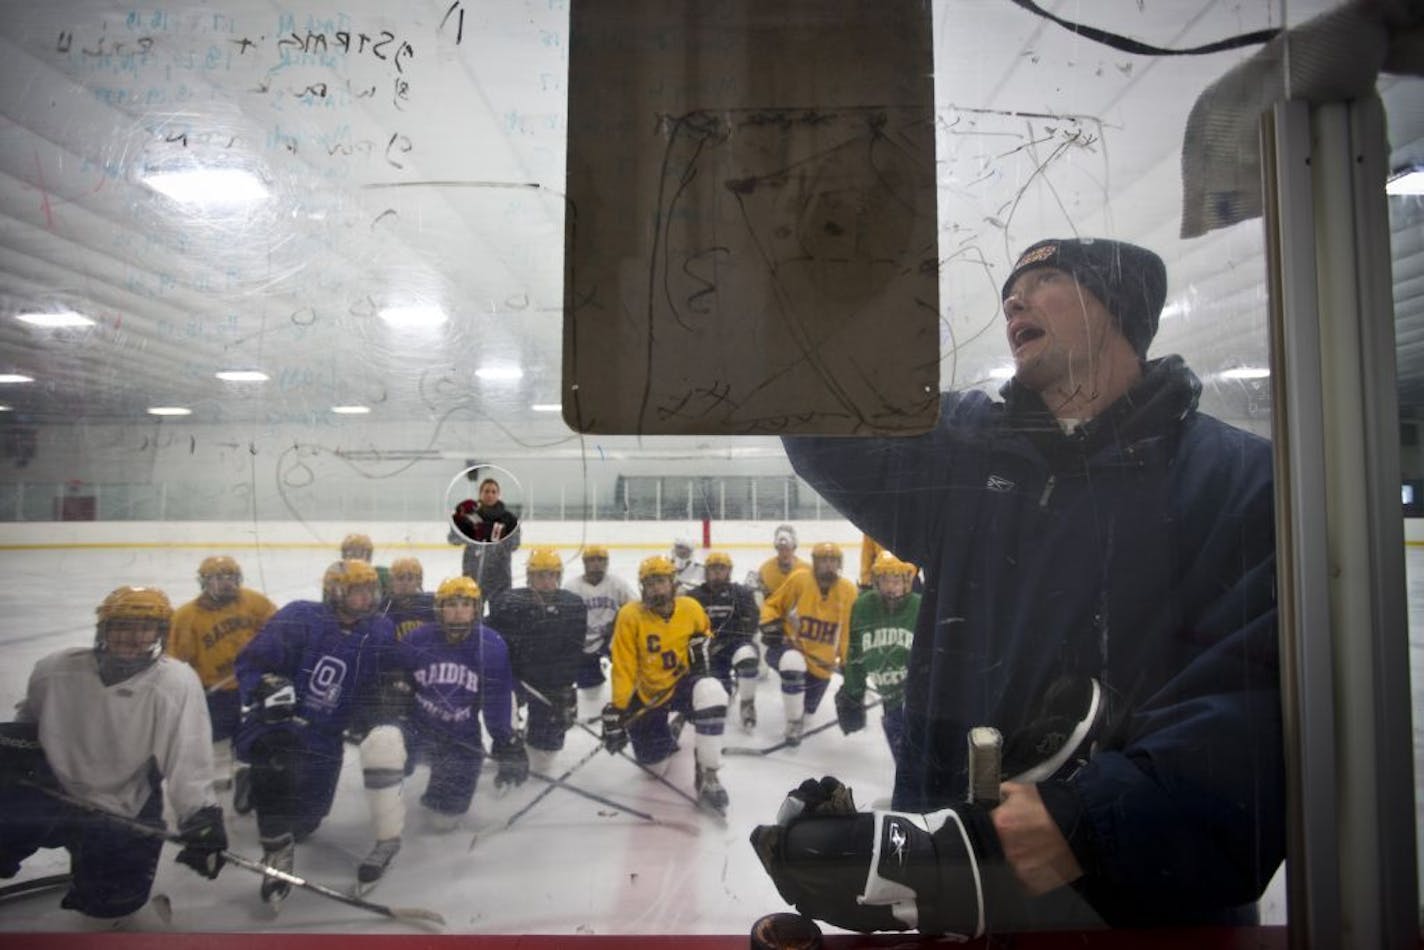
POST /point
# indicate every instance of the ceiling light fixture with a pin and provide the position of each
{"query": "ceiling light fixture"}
(1245, 372)
(418, 315)
(6, 408)
(499, 373)
(15, 378)
(208, 187)
(55, 320)
(546, 407)
(169, 411)
(243, 376)
(1409, 182)
(351, 410)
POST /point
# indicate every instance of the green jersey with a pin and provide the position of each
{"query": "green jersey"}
(879, 651)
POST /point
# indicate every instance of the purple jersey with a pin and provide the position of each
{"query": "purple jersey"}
(333, 669)
(456, 683)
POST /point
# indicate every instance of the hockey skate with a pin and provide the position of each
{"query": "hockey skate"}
(280, 854)
(710, 793)
(747, 708)
(794, 728)
(372, 869)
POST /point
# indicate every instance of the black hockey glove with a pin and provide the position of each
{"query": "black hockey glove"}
(866, 871)
(273, 701)
(773, 635)
(850, 711)
(394, 695)
(699, 660)
(615, 730)
(513, 762)
(565, 704)
(204, 841)
(21, 756)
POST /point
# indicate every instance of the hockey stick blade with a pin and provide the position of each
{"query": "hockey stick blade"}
(783, 744)
(414, 915)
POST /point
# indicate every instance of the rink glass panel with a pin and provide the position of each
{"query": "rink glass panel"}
(385, 244)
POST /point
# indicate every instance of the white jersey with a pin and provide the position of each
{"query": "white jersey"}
(100, 740)
(602, 600)
(690, 574)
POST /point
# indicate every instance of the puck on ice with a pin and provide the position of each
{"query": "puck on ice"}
(785, 932)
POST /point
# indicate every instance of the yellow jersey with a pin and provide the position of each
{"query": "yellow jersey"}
(649, 653)
(771, 576)
(817, 624)
(209, 640)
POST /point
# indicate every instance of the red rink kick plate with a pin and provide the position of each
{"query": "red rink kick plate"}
(750, 240)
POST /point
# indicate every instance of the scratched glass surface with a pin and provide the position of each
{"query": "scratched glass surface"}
(360, 207)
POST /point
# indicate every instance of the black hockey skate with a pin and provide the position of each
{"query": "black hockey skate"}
(280, 854)
(710, 793)
(374, 867)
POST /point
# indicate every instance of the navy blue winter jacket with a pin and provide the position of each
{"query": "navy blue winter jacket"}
(1140, 550)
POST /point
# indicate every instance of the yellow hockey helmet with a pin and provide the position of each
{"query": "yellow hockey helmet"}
(827, 549)
(136, 603)
(889, 564)
(544, 559)
(455, 587)
(407, 567)
(595, 550)
(218, 564)
(655, 566)
(345, 574)
(718, 558)
(357, 546)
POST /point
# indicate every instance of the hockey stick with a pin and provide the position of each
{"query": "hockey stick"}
(986, 751)
(553, 784)
(47, 883)
(413, 915)
(600, 799)
(784, 743)
(694, 801)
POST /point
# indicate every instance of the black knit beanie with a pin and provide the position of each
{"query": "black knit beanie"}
(1131, 281)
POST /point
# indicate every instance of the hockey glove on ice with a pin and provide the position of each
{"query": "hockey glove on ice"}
(565, 704)
(879, 870)
(850, 711)
(615, 732)
(513, 762)
(204, 841)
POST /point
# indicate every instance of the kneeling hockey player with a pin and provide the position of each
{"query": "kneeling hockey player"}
(106, 725)
(661, 666)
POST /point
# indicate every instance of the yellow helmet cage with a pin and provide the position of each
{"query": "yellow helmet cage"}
(888, 564)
